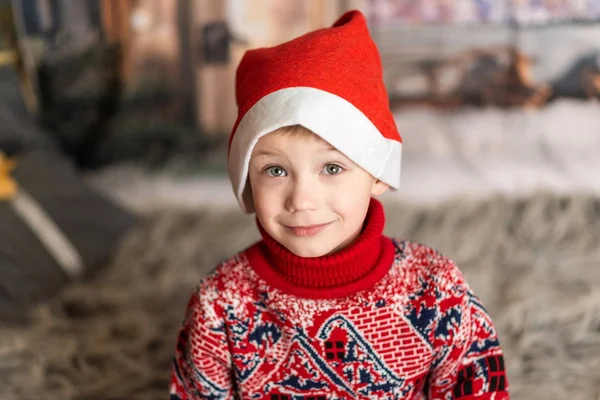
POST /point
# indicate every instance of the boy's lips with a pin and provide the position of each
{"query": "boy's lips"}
(307, 230)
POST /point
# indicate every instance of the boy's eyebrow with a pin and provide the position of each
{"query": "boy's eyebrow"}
(329, 148)
(267, 153)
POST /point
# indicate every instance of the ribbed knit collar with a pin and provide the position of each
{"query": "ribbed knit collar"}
(355, 267)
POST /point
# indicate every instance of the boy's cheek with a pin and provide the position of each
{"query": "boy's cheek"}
(266, 200)
(267, 190)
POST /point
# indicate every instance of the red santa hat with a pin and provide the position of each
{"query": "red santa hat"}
(330, 82)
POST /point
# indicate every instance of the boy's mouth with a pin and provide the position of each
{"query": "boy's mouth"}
(308, 230)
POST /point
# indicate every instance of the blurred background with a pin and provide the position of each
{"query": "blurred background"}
(115, 201)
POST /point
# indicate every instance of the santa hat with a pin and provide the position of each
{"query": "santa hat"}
(330, 82)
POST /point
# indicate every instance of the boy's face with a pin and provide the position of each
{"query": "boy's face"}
(308, 196)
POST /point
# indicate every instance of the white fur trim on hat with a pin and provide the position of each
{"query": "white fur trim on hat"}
(334, 119)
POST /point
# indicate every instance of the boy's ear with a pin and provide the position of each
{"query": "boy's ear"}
(379, 188)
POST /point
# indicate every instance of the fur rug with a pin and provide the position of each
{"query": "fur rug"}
(535, 263)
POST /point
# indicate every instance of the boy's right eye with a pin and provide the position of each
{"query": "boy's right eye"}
(275, 171)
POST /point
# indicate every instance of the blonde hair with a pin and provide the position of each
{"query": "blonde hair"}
(296, 131)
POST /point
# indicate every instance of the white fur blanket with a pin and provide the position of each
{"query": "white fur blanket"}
(535, 263)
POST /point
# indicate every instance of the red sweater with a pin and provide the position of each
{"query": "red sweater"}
(381, 319)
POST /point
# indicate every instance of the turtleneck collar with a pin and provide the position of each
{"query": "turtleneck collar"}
(353, 268)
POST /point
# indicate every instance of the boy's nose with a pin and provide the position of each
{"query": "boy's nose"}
(302, 196)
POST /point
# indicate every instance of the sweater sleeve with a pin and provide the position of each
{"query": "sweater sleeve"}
(201, 366)
(469, 363)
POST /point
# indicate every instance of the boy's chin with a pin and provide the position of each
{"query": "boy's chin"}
(309, 251)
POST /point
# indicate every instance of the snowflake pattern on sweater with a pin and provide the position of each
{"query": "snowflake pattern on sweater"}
(418, 333)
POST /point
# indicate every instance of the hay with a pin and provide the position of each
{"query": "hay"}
(533, 261)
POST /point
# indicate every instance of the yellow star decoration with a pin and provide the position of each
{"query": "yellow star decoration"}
(8, 186)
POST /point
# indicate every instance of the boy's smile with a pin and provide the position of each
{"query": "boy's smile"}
(308, 196)
(308, 230)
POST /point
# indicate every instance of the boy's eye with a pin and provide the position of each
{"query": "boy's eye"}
(332, 169)
(275, 171)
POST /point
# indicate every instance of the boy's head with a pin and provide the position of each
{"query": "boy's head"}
(302, 186)
(319, 98)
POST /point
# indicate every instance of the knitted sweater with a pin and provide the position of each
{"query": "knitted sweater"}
(382, 319)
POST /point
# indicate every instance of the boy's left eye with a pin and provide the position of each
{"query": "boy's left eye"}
(332, 169)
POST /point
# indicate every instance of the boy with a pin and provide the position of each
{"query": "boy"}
(325, 306)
